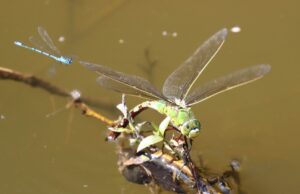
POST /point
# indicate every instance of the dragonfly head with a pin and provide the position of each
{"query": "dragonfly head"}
(191, 128)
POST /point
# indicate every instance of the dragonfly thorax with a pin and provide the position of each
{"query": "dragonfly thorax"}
(181, 118)
(186, 123)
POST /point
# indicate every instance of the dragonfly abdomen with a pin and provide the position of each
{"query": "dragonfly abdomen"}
(160, 106)
(178, 115)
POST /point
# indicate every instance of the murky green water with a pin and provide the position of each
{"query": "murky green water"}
(257, 123)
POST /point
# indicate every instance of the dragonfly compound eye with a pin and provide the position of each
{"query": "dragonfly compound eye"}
(191, 128)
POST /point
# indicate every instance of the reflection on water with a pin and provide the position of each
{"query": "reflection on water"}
(235, 29)
(257, 123)
(2, 117)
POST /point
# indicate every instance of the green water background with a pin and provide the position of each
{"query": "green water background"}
(257, 124)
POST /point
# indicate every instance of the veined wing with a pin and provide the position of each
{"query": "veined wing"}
(227, 82)
(178, 84)
(133, 83)
(46, 38)
(111, 84)
(39, 44)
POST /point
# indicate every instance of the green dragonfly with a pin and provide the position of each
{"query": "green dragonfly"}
(175, 101)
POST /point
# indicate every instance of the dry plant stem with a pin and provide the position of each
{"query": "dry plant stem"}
(9, 74)
(32, 80)
(87, 111)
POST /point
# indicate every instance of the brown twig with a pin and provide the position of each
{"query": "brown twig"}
(87, 111)
(9, 74)
(32, 80)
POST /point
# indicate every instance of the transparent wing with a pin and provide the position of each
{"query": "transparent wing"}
(141, 86)
(178, 84)
(39, 44)
(227, 82)
(108, 83)
(46, 38)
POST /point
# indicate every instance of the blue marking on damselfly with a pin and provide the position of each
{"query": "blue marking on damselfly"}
(46, 38)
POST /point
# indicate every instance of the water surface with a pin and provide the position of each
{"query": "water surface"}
(257, 124)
